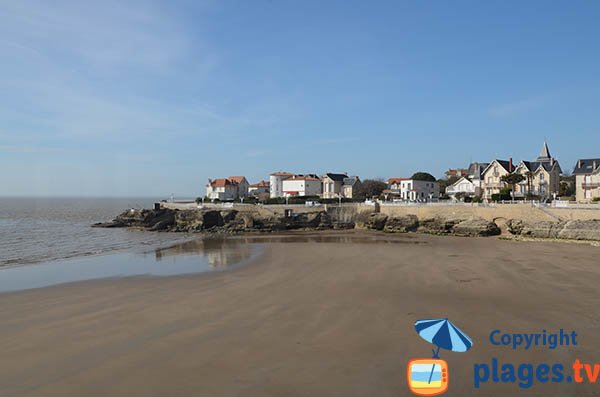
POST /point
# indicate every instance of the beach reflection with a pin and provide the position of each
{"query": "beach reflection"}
(219, 252)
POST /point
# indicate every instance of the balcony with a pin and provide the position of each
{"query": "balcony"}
(591, 185)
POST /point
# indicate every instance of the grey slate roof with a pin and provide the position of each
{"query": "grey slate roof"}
(476, 169)
(586, 166)
(350, 181)
(544, 153)
(336, 177)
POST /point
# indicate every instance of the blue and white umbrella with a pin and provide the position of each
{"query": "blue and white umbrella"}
(442, 333)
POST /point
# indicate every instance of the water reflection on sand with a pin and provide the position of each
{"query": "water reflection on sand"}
(224, 251)
(201, 255)
(219, 252)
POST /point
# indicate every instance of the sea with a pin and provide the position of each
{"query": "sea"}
(34, 230)
(48, 241)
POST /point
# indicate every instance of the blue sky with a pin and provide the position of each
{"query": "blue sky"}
(151, 98)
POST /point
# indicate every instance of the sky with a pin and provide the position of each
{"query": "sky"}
(150, 98)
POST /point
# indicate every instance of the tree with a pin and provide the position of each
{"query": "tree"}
(567, 186)
(370, 188)
(423, 176)
(512, 179)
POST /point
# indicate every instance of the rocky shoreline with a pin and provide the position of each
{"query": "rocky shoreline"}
(230, 221)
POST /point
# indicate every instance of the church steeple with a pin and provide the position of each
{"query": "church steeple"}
(544, 153)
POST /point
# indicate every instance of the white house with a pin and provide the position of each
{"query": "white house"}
(463, 187)
(242, 184)
(276, 183)
(221, 189)
(395, 185)
(298, 185)
(415, 190)
(258, 188)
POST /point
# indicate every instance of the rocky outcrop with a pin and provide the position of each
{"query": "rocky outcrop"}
(570, 230)
(581, 230)
(227, 221)
(401, 224)
(376, 221)
(232, 221)
(438, 225)
(541, 229)
(476, 228)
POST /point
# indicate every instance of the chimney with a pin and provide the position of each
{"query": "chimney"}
(594, 166)
(578, 163)
(510, 165)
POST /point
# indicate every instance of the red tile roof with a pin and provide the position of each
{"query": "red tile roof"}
(396, 180)
(220, 182)
(260, 184)
(236, 179)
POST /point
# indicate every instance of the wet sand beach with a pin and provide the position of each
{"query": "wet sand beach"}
(317, 318)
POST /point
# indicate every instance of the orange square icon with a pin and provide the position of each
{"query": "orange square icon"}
(427, 376)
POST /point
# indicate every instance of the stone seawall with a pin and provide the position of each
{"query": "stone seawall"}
(507, 211)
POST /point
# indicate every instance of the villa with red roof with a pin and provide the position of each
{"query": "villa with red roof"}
(224, 189)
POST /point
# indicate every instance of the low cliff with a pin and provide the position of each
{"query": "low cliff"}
(232, 221)
(226, 221)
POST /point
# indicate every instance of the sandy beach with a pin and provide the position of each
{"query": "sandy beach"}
(304, 319)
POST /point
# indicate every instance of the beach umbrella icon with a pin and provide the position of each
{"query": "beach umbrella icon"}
(443, 334)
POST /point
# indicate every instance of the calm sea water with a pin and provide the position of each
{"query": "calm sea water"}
(34, 230)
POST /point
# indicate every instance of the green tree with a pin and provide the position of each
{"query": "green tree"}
(370, 188)
(423, 176)
(512, 179)
(567, 186)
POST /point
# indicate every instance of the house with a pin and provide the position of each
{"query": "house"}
(413, 189)
(276, 183)
(221, 189)
(492, 174)
(463, 188)
(587, 179)
(394, 186)
(456, 172)
(332, 184)
(475, 174)
(541, 177)
(350, 186)
(258, 188)
(242, 183)
(301, 185)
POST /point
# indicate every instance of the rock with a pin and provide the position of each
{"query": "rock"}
(541, 229)
(515, 226)
(189, 221)
(438, 225)
(402, 224)
(376, 221)
(246, 219)
(211, 219)
(110, 224)
(581, 230)
(476, 227)
(162, 221)
(228, 215)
